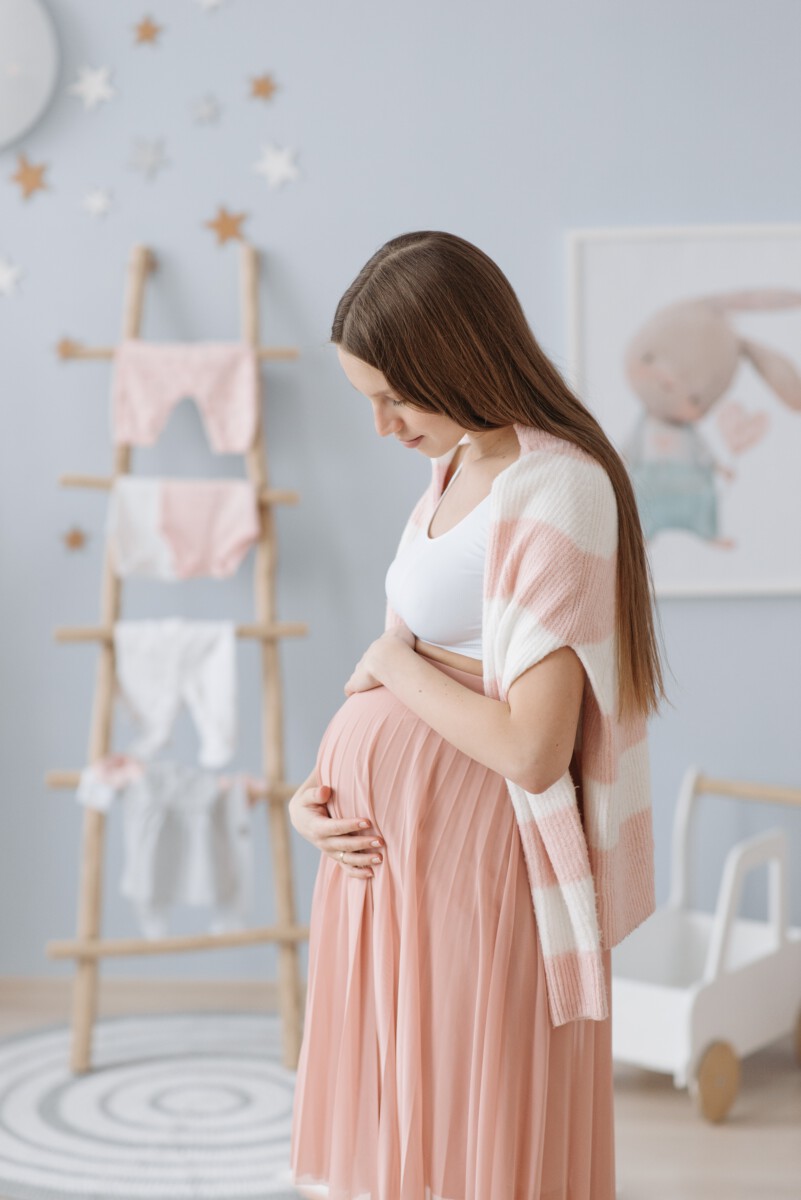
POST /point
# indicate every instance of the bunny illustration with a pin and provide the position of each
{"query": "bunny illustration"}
(680, 363)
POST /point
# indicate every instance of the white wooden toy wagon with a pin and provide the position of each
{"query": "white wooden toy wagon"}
(694, 992)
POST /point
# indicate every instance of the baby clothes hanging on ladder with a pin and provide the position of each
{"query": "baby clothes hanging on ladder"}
(181, 528)
(187, 838)
(102, 780)
(150, 378)
(161, 663)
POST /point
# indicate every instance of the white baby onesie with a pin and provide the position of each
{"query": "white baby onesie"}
(161, 663)
(187, 838)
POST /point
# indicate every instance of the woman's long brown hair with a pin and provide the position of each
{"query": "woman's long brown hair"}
(443, 324)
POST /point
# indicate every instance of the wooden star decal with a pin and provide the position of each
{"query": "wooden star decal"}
(147, 31)
(29, 177)
(227, 225)
(263, 87)
(67, 348)
(75, 538)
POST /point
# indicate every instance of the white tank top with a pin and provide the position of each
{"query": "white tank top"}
(436, 585)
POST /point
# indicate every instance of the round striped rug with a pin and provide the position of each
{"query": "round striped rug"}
(190, 1105)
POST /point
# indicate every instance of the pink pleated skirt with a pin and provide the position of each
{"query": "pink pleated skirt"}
(429, 1068)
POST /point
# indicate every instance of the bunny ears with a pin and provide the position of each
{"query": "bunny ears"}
(779, 372)
(753, 299)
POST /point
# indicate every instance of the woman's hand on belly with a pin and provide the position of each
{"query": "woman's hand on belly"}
(363, 677)
(309, 815)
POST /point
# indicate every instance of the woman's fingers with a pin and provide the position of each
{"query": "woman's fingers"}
(346, 827)
(356, 862)
(332, 835)
(352, 842)
(357, 859)
(339, 833)
(357, 872)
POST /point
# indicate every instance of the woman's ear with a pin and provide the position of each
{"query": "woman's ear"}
(779, 373)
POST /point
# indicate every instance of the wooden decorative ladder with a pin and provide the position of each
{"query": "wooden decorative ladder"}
(88, 948)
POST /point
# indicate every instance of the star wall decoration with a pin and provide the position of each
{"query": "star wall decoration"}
(9, 277)
(276, 165)
(263, 87)
(149, 158)
(93, 86)
(227, 225)
(67, 348)
(206, 110)
(29, 177)
(75, 538)
(208, 5)
(147, 32)
(97, 202)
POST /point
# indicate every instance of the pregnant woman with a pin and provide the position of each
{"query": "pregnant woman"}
(481, 799)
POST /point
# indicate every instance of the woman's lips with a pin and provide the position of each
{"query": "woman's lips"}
(412, 443)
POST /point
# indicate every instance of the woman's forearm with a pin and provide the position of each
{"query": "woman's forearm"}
(477, 725)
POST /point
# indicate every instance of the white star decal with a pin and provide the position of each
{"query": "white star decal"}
(208, 5)
(276, 165)
(93, 86)
(97, 202)
(149, 158)
(206, 110)
(9, 277)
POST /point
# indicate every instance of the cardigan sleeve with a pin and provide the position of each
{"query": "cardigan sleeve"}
(551, 582)
(551, 570)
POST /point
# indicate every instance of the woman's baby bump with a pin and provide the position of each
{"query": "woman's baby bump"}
(360, 758)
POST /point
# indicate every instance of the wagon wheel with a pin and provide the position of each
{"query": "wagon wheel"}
(718, 1080)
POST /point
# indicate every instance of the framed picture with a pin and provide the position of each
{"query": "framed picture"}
(685, 343)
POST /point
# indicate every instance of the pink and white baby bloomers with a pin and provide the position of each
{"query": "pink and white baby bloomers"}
(150, 378)
(182, 528)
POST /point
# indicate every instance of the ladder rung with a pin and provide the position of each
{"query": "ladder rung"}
(748, 791)
(120, 947)
(68, 348)
(266, 633)
(105, 483)
(275, 791)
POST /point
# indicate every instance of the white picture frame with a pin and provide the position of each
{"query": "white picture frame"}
(707, 317)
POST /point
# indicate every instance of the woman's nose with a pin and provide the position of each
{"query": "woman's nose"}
(385, 422)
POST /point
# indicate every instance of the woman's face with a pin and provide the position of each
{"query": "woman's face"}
(431, 433)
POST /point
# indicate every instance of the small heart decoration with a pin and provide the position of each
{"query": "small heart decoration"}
(742, 430)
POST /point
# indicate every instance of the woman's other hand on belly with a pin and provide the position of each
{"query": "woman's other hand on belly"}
(362, 846)
(366, 671)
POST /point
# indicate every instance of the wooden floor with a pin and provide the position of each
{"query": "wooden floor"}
(664, 1150)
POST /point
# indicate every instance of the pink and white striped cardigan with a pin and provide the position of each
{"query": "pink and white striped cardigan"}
(549, 581)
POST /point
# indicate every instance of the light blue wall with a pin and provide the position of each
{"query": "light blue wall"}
(507, 123)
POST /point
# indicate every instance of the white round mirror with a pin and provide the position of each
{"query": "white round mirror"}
(28, 66)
